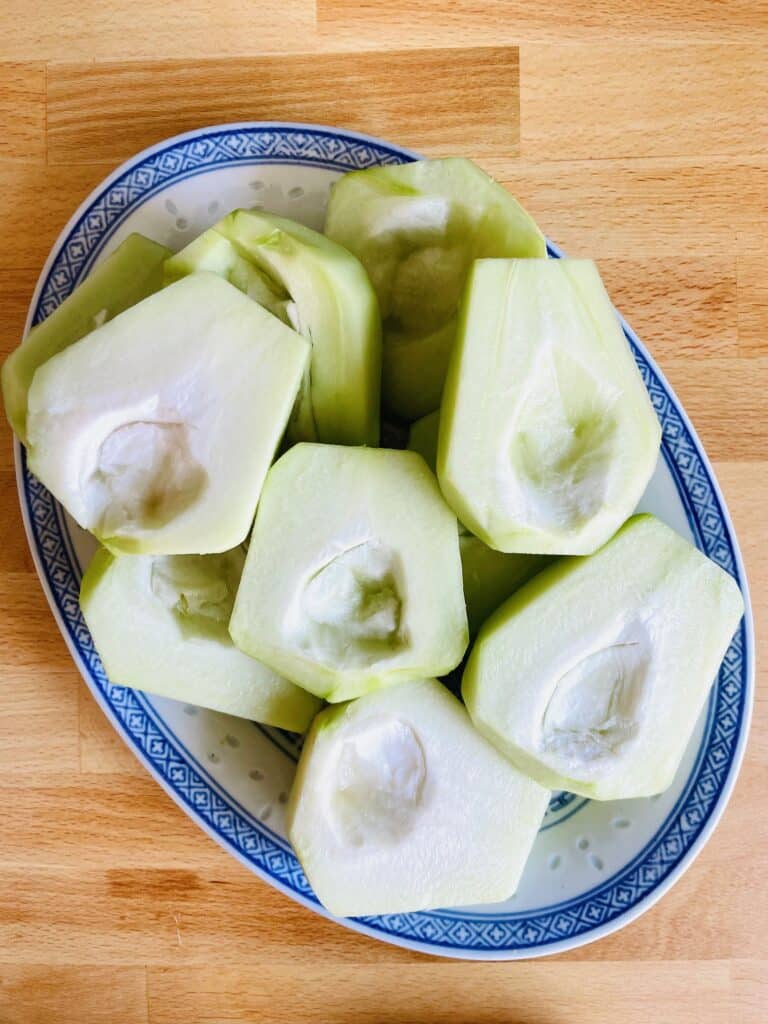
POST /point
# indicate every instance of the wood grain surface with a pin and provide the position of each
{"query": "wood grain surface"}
(636, 133)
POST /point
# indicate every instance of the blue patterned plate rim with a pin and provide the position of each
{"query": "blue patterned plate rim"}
(509, 935)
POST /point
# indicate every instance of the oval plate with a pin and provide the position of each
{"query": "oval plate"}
(595, 866)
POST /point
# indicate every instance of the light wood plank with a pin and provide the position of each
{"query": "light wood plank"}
(435, 993)
(130, 822)
(32, 641)
(38, 721)
(22, 111)
(752, 289)
(18, 558)
(679, 307)
(193, 917)
(744, 487)
(90, 30)
(37, 201)
(719, 394)
(637, 208)
(38, 728)
(750, 989)
(16, 288)
(423, 98)
(40, 994)
(679, 100)
(101, 749)
(351, 24)
(173, 914)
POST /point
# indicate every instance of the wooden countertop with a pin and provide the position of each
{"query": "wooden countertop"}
(634, 132)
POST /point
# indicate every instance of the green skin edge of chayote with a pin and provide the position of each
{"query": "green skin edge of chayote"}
(99, 565)
(529, 592)
(557, 570)
(335, 686)
(414, 366)
(585, 537)
(341, 403)
(332, 683)
(99, 568)
(131, 273)
(525, 595)
(325, 721)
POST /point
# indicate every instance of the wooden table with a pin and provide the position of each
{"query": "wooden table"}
(635, 133)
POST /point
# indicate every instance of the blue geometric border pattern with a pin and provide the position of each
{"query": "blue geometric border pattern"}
(445, 930)
(196, 156)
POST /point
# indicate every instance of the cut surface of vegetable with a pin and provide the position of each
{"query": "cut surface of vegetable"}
(591, 677)
(416, 228)
(353, 575)
(214, 253)
(400, 805)
(130, 274)
(156, 430)
(547, 435)
(160, 624)
(323, 292)
(489, 576)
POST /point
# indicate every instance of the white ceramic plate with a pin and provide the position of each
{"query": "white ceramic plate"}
(595, 866)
